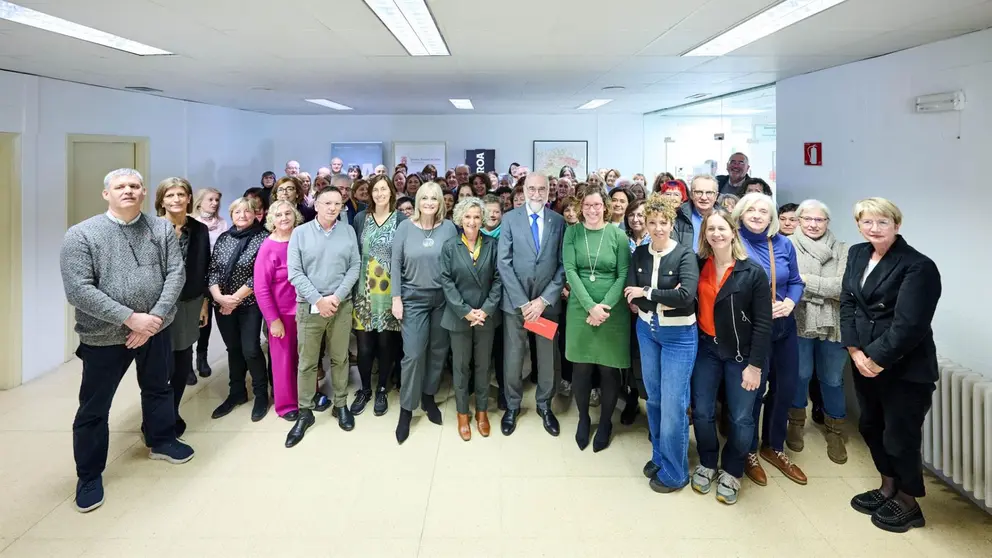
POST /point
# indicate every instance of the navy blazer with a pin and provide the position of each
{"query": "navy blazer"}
(889, 318)
(468, 287)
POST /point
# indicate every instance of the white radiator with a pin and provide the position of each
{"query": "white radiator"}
(957, 433)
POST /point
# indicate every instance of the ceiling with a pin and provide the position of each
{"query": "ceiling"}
(508, 56)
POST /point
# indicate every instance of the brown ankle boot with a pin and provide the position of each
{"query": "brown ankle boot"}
(482, 422)
(794, 432)
(836, 450)
(464, 430)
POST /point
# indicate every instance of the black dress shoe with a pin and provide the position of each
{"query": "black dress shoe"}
(896, 517)
(509, 422)
(260, 408)
(381, 402)
(582, 432)
(291, 416)
(663, 488)
(602, 439)
(551, 425)
(202, 366)
(403, 426)
(346, 420)
(869, 502)
(304, 421)
(501, 401)
(321, 403)
(651, 470)
(228, 405)
(630, 411)
(362, 398)
(818, 415)
(191, 379)
(429, 406)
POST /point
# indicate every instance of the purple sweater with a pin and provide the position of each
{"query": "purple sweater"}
(275, 295)
(788, 284)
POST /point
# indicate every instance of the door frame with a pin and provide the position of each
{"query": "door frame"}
(11, 327)
(142, 163)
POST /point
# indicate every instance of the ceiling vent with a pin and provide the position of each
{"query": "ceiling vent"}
(142, 89)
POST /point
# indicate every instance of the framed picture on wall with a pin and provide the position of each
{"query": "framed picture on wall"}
(551, 156)
(418, 154)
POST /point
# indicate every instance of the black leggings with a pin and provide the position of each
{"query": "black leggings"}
(372, 345)
(609, 382)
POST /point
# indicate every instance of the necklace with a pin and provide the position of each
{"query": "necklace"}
(592, 265)
(428, 241)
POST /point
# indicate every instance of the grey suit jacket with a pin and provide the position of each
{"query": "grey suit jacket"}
(527, 274)
(467, 287)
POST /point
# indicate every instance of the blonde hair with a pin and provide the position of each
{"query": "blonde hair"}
(737, 250)
(657, 204)
(253, 204)
(877, 206)
(753, 198)
(202, 193)
(430, 187)
(270, 224)
(168, 184)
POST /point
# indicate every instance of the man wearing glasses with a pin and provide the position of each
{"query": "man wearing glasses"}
(689, 218)
(737, 169)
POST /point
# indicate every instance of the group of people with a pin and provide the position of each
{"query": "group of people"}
(713, 315)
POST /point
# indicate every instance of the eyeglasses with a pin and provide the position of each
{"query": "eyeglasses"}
(704, 193)
(286, 189)
(592, 206)
(817, 220)
(533, 190)
(870, 223)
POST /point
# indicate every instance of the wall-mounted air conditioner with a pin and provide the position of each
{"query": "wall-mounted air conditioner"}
(940, 102)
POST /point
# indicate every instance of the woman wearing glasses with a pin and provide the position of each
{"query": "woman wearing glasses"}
(888, 297)
(290, 189)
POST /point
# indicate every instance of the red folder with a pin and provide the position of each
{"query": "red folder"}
(543, 327)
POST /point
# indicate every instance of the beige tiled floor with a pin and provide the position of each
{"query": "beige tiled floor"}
(359, 494)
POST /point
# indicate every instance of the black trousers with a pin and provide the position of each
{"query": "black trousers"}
(182, 367)
(892, 413)
(103, 369)
(498, 360)
(582, 384)
(203, 343)
(382, 345)
(241, 331)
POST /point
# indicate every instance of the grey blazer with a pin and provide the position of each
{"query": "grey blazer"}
(526, 274)
(467, 287)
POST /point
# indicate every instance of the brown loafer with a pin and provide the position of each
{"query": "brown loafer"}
(464, 430)
(482, 422)
(754, 471)
(782, 463)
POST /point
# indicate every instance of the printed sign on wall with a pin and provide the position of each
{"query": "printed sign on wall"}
(480, 160)
(418, 154)
(366, 155)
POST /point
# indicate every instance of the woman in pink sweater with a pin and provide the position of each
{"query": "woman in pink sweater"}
(277, 300)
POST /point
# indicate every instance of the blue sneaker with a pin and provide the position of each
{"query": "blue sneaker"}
(174, 452)
(89, 494)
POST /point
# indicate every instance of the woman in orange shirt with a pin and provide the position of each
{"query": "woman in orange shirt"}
(734, 316)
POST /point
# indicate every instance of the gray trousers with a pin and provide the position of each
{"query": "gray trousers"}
(515, 345)
(425, 345)
(478, 343)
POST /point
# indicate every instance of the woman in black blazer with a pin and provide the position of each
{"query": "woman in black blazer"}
(472, 292)
(888, 298)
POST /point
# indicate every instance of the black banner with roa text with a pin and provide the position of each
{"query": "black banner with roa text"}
(480, 160)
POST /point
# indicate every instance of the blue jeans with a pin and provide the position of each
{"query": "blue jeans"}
(780, 377)
(667, 389)
(829, 358)
(707, 375)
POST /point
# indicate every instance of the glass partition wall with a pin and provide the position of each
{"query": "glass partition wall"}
(700, 137)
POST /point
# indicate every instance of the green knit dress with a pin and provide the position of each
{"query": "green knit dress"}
(609, 343)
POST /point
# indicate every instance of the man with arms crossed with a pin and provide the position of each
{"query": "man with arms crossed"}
(123, 272)
(533, 276)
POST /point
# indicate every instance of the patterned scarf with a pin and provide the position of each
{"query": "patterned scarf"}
(473, 251)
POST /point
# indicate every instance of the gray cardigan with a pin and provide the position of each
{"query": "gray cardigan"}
(323, 263)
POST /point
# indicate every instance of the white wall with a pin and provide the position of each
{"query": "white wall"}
(935, 167)
(614, 140)
(211, 145)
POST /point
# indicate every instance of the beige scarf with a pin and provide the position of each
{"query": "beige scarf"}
(820, 317)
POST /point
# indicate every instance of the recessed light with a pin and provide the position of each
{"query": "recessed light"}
(767, 22)
(45, 22)
(411, 22)
(595, 103)
(463, 104)
(328, 104)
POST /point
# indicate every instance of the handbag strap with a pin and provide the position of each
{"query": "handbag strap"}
(771, 259)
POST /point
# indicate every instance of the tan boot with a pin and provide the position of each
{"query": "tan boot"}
(794, 432)
(482, 423)
(464, 430)
(836, 450)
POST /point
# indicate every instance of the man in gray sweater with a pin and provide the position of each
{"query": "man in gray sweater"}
(323, 262)
(123, 272)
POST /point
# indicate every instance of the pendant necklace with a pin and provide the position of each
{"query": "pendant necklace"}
(428, 241)
(592, 265)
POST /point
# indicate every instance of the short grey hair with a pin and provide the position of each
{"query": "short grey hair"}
(462, 207)
(341, 179)
(755, 198)
(119, 173)
(809, 205)
(698, 177)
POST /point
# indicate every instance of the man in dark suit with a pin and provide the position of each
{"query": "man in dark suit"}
(737, 169)
(533, 276)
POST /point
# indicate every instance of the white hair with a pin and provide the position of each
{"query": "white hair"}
(462, 207)
(119, 173)
(809, 205)
(464, 166)
(751, 199)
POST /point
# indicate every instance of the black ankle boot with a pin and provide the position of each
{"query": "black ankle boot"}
(429, 406)
(403, 426)
(602, 439)
(202, 366)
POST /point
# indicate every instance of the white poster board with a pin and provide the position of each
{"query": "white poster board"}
(418, 154)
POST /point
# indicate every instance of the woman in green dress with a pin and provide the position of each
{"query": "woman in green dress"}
(596, 257)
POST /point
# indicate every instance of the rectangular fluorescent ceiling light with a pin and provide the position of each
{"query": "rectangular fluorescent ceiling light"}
(463, 104)
(328, 104)
(411, 22)
(45, 22)
(767, 22)
(595, 103)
